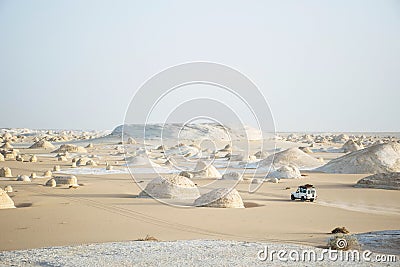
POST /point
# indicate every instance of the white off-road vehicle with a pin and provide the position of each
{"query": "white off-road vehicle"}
(305, 192)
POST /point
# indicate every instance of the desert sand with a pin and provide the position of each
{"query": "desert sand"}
(105, 207)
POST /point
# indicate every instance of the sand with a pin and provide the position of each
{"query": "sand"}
(105, 207)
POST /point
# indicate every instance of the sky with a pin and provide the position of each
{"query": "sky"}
(321, 65)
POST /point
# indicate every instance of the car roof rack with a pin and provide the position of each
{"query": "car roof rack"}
(307, 186)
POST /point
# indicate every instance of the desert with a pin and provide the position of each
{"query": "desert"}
(199, 133)
(89, 203)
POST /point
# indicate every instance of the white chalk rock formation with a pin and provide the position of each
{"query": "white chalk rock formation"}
(5, 172)
(85, 161)
(233, 176)
(63, 154)
(227, 148)
(8, 189)
(10, 154)
(23, 178)
(109, 167)
(47, 174)
(91, 162)
(70, 149)
(68, 180)
(81, 161)
(291, 156)
(186, 174)
(274, 180)
(7, 136)
(285, 172)
(62, 158)
(351, 146)
(131, 141)
(261, 154)
(204, 170)
(171, 187)
(341, 138)
(306, 149)
(33, 158)
(220, 198)
(256, 181)
(389, 180)
(33, 175)
(381, 158)
(237, 157)
(51, 183)
(140, 161)
(7, 146)
(56, 168)
(43, 144)
(19, 158)
(5, 201)
(1, 157)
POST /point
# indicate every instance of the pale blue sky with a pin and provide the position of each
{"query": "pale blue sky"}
(323, 65)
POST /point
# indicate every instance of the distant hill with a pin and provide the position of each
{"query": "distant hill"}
(189, 131)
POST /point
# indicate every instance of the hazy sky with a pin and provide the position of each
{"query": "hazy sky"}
(322, 65)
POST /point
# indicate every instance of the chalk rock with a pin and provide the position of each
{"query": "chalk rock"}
(171, 187)
(220, 198)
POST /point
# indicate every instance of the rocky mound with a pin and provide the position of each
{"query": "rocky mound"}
(7, 146)
(43, 144)
(220, 198)
(204, 170)
(171, 187)
(85, 161)
(381, 158)
(351, 146)
(70, 149)
(23, 178)
(233, 176)
(285, 172)
(187, 131)
(261, 154)
(5, 172)
(306, 149)
(141, 161)
(381, 180)
(68, 180)
(5, 201)
(291, 156)
(51, 183)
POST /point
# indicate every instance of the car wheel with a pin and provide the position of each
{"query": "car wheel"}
(312, 200)
(303, 199)
(292, 197)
